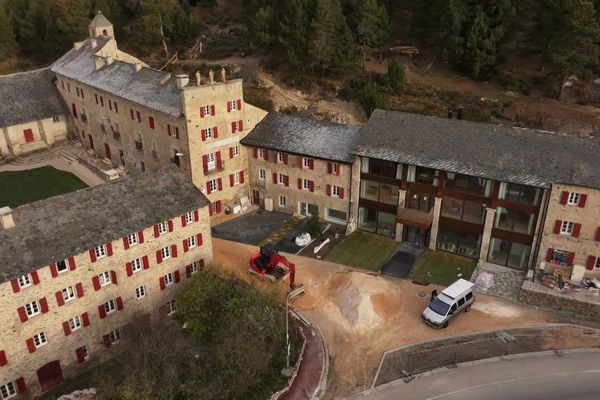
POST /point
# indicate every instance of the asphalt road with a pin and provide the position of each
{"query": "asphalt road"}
(547, 377)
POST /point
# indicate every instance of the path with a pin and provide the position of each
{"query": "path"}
(401, 263)
(538, 376)
(363, 314)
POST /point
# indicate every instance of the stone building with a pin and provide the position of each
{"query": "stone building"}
(32, 114)
(80, 270)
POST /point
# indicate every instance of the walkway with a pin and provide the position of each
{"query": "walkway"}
(507, 281)
(401, 263)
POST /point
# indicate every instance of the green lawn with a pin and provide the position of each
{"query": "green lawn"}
(22, 187)
(442, 268)
(363, 250)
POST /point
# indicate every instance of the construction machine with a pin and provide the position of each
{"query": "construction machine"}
(269, 265)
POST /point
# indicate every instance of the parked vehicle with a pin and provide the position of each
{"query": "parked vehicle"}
(448, 304)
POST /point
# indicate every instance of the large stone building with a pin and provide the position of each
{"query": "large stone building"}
(78, 269)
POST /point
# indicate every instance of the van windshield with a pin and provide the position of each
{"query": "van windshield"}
(439, 306)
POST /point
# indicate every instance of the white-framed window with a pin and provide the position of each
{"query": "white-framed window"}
(69, 293)
(208, 133)
(262, 174)
(110, 306)
(75, 323)
(236, 178)
(214, 185)
(140, 292)
(25, 281)
(206, 110)
(574, 198)
(238, 126)
(335, 191)
(280, 157)
(32, 308)
(8, 390)
(85, 353)
(162, 228)
(101, 251)
(334, 168)
(105, 278)
(62, 266)
(189, 217)
(191, 242)
(171, 307)
(169, 279)
(281, 201)
(136, 265)
(305, 184)
(40, 339)
(132, 239)
(261, 153)
(211, 161)
(115, 336)
(214, 207)
(232, 105)
(236, 150)
(567, 228)
(194, 267)
(305, 162)
(597, 264)
(165, 252)
(281, 179)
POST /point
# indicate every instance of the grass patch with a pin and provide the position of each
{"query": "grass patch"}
(363, 250)
(22, 187)
(442, 268)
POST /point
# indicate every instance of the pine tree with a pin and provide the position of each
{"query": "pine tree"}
(396, 76)
(8, 44)
(67, 23)
(479, 56)
(294, 30)
(372, 24)
(157, 19)
(16, 10)
(32, 30)
(263, 25)
(450, 31)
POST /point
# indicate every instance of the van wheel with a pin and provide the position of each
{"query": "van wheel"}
(468, 308)
(445, 325)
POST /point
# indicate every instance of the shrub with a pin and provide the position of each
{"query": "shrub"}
(313, 226)
(396, 75)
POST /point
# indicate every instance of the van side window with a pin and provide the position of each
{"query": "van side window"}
(453, 308)
(461, 301)
(469, 296)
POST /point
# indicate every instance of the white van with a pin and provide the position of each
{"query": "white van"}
(446, 305)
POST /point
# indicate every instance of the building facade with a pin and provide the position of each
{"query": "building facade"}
(79, 281)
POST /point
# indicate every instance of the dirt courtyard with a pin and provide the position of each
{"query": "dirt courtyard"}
(363, 314)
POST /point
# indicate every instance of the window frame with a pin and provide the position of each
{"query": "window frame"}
(114, 336)
(69, 293)
(281, 179)
(335, 191)
(10, 388)
(306, 162)
(236, 150)
(40, 339)
(132, 239)
(262, 174)
(169, 278)
(110, 306)
(282, 203)
(574, 199)
(306, 184)
(162, 228)
(189, 217)
(75, 323)
(261, 153)
(33, 308)
(165, 252)
(104, 278)
(566, 228)
(62, 266)
(214, 185)
(194, 267)
(171, 307)
(25, 281)
(140, 292)
(192, 242)
(136, 265)
(101, 251)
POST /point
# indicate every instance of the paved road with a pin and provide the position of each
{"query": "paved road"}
(547, 377)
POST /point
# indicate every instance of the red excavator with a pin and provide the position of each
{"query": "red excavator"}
(269, 265)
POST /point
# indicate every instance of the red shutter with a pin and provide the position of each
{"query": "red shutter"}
(96, 283)
(311, 185)
(3, 360)
(203, 133)
(239, 104)
(177, 132)
(218, 206)
(339, 170)
(266, 155)
(210, 211)
(53, 270)
(21, 385)
(341, 192)
(72, 265)
(256, 152)
(285, 159)
(35, 278)
(60, 300)
(141, 237)
(591, 262)
(230, 152)
(145, 262)
(101, 311)
(219, 160)
(564, 197)
(286, 180)
(44, 305)
(329, 168)
(67, 328)
(241, 125)
(15, 285)
(576, 230)
(300, 162)
(22, 314)
(125, 243)
(174, 251)
(93, 255)
(80, 355)
(598, 234)
(85, 319)
(30, 345)
(156, 232)
(199, 239)
(109, 251)
(188, 270)
(212, 110)
(216, 132)
(208, 191)
(185, 246)
(233, 127)
(158, 257)
(119, 303)
(201, 112)
(113, 277)
(106, 341)
(242, 177)
(177, 277)
(170, 224)
(151, 122)
(311, 164)
(328, 190)
(228, 106)
(220, 184)
(161, 282)
(299, 183)
(196, 215)
(183, 221)
(129, 269)
(557, 226)
(231, 183)
(582, 200)
(79, 290)
(274, 177)
(571, 258)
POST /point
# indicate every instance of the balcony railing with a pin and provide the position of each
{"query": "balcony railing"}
(410, 216)
(214, 168)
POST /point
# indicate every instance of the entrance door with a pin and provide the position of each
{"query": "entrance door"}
(91, 142)
(28, 134)
(50, 375)
(107, 151)
(255, 197)
(420, 201)
(413, 235)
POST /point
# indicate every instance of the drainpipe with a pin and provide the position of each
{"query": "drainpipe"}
(350, 193)
(541, 233)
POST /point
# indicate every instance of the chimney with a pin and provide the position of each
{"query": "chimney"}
(223, 75)
(211, 76)
(182, 80)
(138, 67)
(6, 218)
(93, 43)
(109, 60)
(100, 62)
(198, 78)
(77, 45)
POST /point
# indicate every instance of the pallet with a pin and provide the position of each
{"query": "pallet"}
(278, 274)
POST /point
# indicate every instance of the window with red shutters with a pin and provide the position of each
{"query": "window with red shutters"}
(213, 110)
(141, 237)
(145, 262)
(557, 226)
(240, 125)
(174, 251)
(93, 255)
(113, 277)
(44, 305)
(30, 345)
(233, 127)
(66, 328)
(239, 104)
(199, 239)
(129, 268)
(72, 265)
(312, 186)
(79, 290)
(85, 318)
(576, 230)
(159, 258)
(582, 200)
(109, 250)
(177, 277)
(22, 314)
(564, 197)
(101, 311)
(119, 303)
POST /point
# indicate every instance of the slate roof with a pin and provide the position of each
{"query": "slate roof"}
(305, 136)
(53, 229)
(29, 96)
(121, 79)
(99, 21)
(510, 154)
